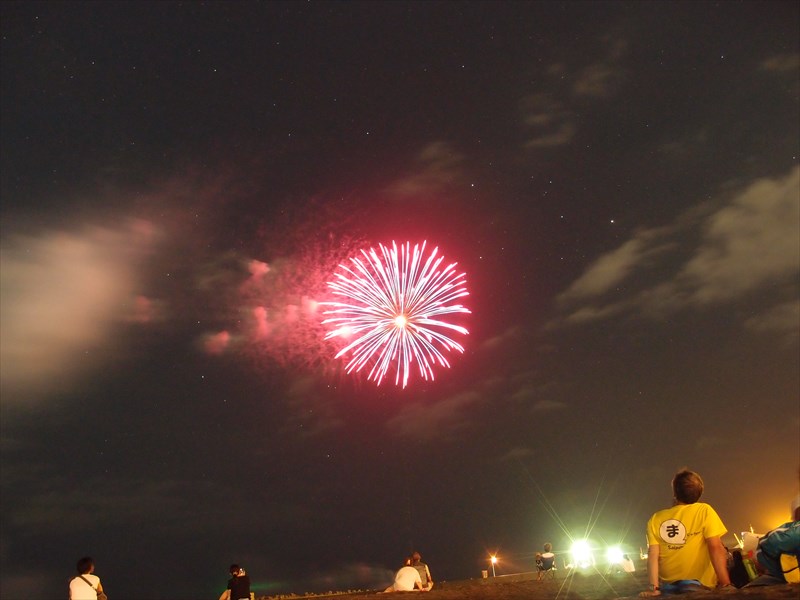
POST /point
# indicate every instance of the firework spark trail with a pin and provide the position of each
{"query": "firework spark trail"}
(393, 309)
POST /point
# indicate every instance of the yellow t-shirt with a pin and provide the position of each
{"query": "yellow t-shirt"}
(681, 532)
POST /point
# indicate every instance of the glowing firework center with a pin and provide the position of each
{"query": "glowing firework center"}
(394, 309)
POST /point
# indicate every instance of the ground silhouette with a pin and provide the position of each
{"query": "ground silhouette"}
(580, 586)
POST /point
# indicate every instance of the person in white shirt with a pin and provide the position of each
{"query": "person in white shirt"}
(85, 585)
(627, 564)
(407, 579)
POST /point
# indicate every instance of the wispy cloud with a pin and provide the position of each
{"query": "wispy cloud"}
(594, 81)
(549, 121)
(501, 339)
(537, 396)
(114, 503)
(786, 68)
(750, 241)
(598, 81)
(309, 414)
(438, 420)
(547, 405)
(63, 507)
(438, 166)
(782, 63)
(550, 114)
(686, 148)
(602, 78)
(610, 269)
(784, 317)
(62, 292)
(517, 453)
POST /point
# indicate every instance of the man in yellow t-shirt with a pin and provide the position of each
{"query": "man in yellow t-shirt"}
(685, 549)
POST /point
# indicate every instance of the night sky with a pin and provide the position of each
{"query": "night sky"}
(619, 182)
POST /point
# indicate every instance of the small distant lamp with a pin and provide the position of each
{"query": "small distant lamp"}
(494, 562)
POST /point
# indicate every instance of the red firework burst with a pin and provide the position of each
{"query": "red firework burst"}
(393, 309)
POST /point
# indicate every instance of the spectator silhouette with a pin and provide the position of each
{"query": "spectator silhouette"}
(424, 571)
(545, 562)
(85, 585)
(407, 579)
(238, 585)
(685, 550)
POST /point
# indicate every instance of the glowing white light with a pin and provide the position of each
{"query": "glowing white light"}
(582, 554)
(614, 555)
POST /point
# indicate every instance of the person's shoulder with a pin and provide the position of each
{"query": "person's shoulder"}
(92, 579)
(662, 512)
(704, 507)
(685, 510)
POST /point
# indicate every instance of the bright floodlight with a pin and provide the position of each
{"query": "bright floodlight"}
(582, 554)
(614, 555)
(494, 560)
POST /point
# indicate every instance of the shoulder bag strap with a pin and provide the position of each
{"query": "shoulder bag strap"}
(88, 582)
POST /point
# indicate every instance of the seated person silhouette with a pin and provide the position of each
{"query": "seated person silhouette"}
(407, 579)
(545, 562)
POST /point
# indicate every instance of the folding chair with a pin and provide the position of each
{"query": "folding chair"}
(547, 568)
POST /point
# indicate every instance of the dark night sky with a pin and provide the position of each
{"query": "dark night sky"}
(619, 181)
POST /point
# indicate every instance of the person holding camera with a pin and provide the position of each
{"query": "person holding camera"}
(86, 585)
(238, 585)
